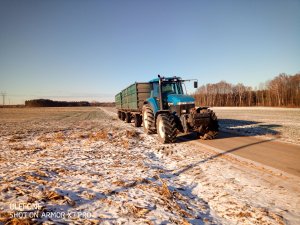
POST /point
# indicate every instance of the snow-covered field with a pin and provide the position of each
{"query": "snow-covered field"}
(282, 123)
(82, 165)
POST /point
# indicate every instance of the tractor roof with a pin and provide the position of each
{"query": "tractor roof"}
(165, 79)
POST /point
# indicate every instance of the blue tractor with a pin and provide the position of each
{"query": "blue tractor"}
(169, 111)
(166, 110)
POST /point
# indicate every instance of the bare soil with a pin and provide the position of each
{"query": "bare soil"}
(87, 164)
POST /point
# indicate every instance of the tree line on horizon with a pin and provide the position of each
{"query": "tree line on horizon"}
(51, 103)
(282, 91)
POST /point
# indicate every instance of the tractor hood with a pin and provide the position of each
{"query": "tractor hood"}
(180, 99)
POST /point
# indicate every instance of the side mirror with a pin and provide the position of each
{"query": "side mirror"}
(195, 84)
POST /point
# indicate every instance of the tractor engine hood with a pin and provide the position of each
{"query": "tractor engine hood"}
(174, 99)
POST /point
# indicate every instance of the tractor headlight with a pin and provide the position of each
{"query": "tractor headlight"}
(185, 103)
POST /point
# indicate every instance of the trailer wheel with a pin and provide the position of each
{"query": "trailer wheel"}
(166, 128)
(148, 120)
(137, 120)
(120, 115)
(123, 116)
(128, 117)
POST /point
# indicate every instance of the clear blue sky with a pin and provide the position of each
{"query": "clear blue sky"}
(77, 50)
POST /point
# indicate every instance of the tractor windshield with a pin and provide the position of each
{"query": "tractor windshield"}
(172, 88)
(167, 88)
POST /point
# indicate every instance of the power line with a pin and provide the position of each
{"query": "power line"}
(3, 97)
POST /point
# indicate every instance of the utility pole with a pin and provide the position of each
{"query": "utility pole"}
(3, 97)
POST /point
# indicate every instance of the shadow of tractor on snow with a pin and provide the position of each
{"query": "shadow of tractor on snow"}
(229, 128)
(248, 127)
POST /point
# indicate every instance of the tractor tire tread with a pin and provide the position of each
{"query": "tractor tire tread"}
(170, 128)
(151, 120)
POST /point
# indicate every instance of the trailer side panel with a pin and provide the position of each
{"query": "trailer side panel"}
(132, 98)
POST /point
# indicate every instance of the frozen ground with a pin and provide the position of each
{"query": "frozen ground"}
(283, 123)
(82, 165)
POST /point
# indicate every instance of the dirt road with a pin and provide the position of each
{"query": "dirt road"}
(282, 156)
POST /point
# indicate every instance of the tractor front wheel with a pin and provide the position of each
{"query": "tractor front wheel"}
(166, 128)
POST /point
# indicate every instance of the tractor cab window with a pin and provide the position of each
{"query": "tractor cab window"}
(167, 88)
(155, 90)
(172, 88)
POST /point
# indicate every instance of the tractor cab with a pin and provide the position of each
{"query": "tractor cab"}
(168, 94)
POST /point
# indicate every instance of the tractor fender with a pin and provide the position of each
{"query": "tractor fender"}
(153, 103)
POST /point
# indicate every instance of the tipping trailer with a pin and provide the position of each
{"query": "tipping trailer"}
(163, 108)
(130, 102)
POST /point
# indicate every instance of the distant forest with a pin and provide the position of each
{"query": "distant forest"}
(51, 103)
(282, 91)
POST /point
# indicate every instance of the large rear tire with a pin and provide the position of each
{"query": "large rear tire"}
(148, 120)
(166, 128)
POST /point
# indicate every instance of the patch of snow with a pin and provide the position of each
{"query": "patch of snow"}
(266, 122)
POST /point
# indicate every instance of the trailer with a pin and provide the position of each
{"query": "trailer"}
(130, 101)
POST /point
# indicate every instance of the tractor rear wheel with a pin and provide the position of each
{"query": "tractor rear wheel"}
(148, 120)
(166, 128)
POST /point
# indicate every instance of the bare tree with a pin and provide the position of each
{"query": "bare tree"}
(283, 90)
